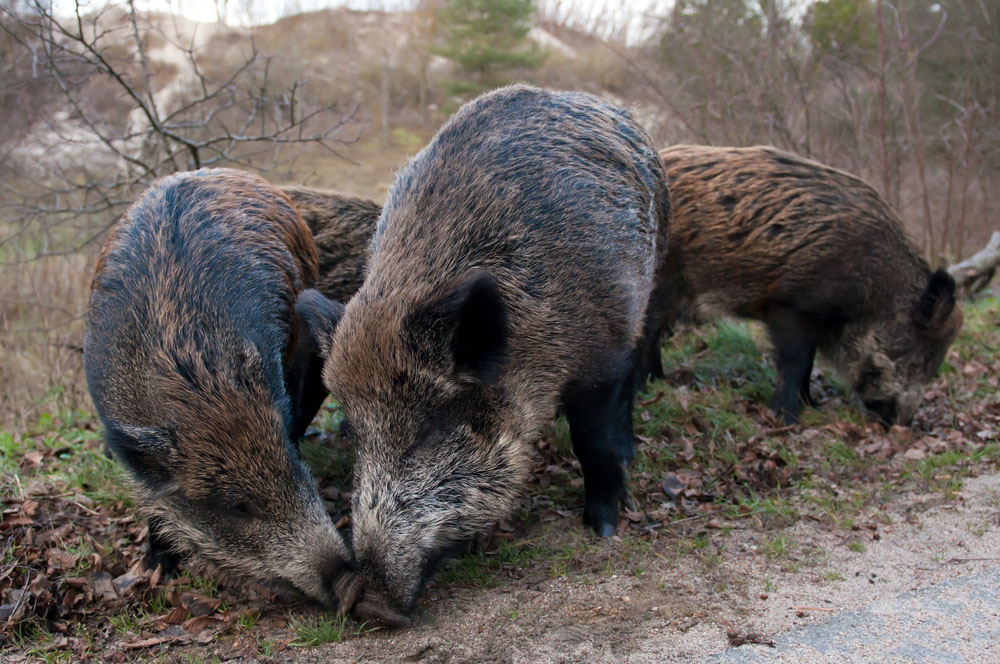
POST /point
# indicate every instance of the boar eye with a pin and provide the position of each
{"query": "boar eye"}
(346, 430)
(245, 511)
(432, 426)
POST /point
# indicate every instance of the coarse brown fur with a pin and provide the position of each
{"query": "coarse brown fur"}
(199, 369)
(342, 227)
(509, 275)
(818, 256)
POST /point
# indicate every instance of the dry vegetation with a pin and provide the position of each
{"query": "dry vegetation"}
(904, 94)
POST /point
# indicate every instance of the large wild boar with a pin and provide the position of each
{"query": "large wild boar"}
(509, 275)
(821, 259)
(342, 227)
(204, 376)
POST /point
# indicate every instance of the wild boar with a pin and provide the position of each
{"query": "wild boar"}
(342, 227)
(818, 256)
(509, 275)
(204, 376)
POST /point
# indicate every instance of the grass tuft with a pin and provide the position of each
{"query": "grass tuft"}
(317, 630)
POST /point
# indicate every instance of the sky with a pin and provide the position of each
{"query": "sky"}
(256, 12)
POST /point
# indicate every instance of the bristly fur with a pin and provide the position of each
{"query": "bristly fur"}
(817, 255)
(190, 349)
(342, 227)
(509, 274)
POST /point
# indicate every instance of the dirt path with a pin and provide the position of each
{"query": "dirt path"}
(685, 607)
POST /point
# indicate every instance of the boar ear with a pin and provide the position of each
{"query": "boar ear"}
(145, 451)
(937, 301)
(478, 317)
(318, 318)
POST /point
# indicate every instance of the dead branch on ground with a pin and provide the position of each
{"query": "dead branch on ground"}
(974, 274)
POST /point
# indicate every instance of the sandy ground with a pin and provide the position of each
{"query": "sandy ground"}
(656, 603)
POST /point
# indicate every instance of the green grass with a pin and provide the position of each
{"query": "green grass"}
(329, 459)
(203, 585)
(980, 335)
(837, 455)
(483, 570)
(77, 448)
(832, 576)
(266, 647)
(158, 604)
(126, 622)
(248, 619)
(774, 509)
(317, 630)
(10, 450)
(726, 366)
(724, 352)
(776, 546)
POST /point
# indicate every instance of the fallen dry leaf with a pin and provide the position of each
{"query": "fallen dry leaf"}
(104, 590)
(59, 559)
(149, 643)
(15, 521)
(175, 617)
(201, 623)
(199, 605)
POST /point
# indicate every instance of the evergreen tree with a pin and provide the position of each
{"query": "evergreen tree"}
(843, 28)
(485, 38)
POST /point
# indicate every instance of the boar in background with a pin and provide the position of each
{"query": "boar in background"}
(817, 256)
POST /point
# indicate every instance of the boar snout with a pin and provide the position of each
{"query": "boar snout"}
(885, 410)
(376, 609)
(338, 582)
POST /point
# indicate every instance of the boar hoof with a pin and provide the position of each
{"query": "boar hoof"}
(789, 419)
(602, 518)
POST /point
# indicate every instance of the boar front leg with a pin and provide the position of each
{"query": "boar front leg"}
(600, 423)
(794, 337)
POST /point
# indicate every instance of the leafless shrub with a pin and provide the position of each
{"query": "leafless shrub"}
(897, 91)
(98, 119)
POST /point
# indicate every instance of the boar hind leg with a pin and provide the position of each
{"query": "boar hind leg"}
(160, 553)
(600, 423)
(794, 337)
(660, 314)
(805, 394)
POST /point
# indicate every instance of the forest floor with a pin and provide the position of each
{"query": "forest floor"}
(744, 529)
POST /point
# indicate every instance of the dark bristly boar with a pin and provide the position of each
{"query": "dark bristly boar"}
(204, 376)
(509, 275)
(821, 259)
(342, 227)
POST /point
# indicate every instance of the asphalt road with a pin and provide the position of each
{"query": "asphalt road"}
(953, 622)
